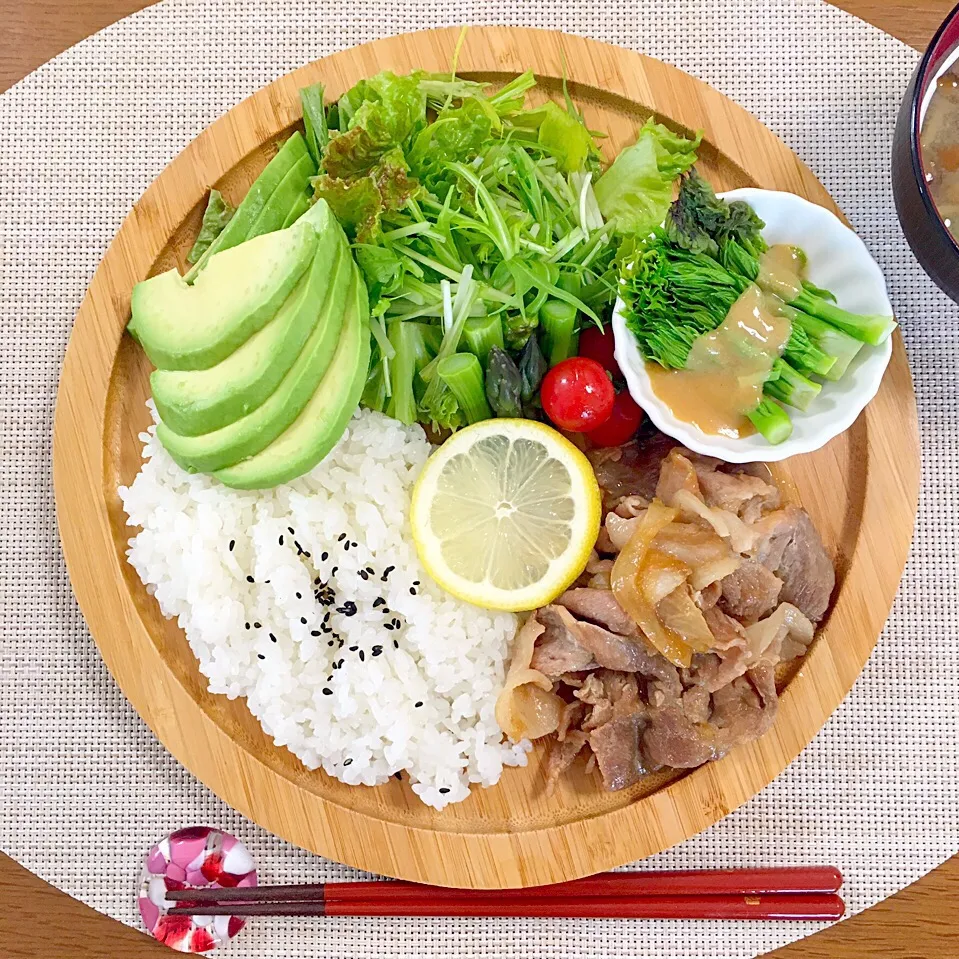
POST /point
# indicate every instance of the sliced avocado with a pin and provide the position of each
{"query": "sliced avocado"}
(293, 186)
(297, 210)
(323, 420)
(263, 187)
(183, 327)
(200, 401)
(251, 433)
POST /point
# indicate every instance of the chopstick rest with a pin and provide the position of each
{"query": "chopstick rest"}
(198, 858)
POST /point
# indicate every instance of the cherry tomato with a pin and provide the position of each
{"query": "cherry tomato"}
(598, 345)
(577, 394)
(621, 424)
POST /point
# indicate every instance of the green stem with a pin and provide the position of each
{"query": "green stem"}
(558, 320)
(402, 404)
(841, 345)
(482, 333)
(789, 386)
(772, 421)
(464, 376)
(873, 329)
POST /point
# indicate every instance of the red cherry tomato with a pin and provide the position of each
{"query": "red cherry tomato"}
(577, 394)
(598, 345)
(621, 425)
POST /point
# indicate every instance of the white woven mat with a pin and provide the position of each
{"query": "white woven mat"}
(85, 787)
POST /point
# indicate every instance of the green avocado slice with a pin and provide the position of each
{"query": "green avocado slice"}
(263, 187)
(251, 433)
(194, 402)
(324, 419)
(183, 327)
(293, 186)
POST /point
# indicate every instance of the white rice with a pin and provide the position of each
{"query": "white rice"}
(423, 704)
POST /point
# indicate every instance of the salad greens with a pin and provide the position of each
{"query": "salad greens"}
(681, 280)
(215, 217)
(487, 232)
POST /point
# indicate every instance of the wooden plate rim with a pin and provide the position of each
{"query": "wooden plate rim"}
(246, 782)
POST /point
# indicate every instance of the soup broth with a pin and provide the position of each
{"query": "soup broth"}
(939, 144)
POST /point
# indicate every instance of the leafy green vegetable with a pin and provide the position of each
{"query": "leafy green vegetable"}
(469, 214)
(359, 202)
(215, 217)
(636, 190)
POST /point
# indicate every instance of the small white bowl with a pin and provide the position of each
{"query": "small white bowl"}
(837, 260)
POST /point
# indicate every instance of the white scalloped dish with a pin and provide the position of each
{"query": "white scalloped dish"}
(837, 260)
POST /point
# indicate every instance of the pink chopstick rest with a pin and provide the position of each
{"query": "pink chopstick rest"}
(196, 857)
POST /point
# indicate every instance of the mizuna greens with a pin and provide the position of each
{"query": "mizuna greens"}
(481, 226)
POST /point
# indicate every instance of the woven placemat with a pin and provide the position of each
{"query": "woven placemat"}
(84, 786)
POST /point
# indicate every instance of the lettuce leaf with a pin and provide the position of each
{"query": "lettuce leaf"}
(560, 133)
(358, 202)
(457, 134)
(636, 191)
(215, 217)
(375, 116)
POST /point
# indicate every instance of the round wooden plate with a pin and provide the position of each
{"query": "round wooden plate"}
(861, 491)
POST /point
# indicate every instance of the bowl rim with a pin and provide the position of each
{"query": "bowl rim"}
(915, 148)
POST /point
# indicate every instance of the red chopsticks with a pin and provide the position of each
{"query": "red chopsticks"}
(804, 892)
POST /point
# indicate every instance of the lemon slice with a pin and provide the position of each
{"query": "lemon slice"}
(505, 513)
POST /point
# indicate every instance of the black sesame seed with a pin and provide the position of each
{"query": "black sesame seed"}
(348, 608)
(272, 638)
(386, 573)
(346, 546)
(330, 643)
(258, 625)
(232, 544)
(266, 582)
(247, 625)
(260, 656)
(416, 582)
(333, 570)
(316, 582)
(418, 703)
(444, 790)
(353, 649)
(398, 776)
(327, 691)
(396, 644)
(329, 679)
(379, 601)
(388, 626)
(280, 541)
(303, 620)
(290, 530)
(362, 656)
(346, 762)
(326, 616)
(342, 641)
(341, 537)
(324, 556)
(377, 650)
(355, 544)
(363, 574)
(249, 579)
(299, 595)
(342, 661)
(314, 632)
(412, 591)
